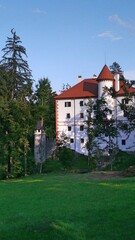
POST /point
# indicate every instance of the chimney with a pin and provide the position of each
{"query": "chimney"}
(94, 76)
(79, 78)
(117, 82)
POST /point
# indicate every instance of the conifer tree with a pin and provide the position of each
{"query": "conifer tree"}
(45, 105)
(15, 109)
(20, 79)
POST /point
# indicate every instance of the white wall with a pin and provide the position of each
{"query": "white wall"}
(75, 122)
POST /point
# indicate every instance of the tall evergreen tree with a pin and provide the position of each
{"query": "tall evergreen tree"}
(20, 78)
(46, 105)
(15, 109)
(115, 67)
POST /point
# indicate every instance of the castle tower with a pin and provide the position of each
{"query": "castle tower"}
(39, 143)
(105, 79)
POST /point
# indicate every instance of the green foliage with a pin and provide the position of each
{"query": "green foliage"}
(52, 165)
(17, 170)
(123, 160)
(3, 171)
(69, 161)
(115, 67)
(81, 162)
(45, 105)
(66, 157)
(19, 83)
(130, 172)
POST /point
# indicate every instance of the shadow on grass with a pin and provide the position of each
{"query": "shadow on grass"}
(49, 230)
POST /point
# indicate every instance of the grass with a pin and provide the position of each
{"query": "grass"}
(71, 206)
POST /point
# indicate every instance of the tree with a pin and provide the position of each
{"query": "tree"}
(92, 145)
(101, 128)
(105, 126)
(65, 87)
(19, 81)
(127, 103)
(45, 105)
(15, 106)
(15, 131)
(128, 107)
(115, 67)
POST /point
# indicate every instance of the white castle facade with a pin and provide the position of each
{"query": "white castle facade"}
(71, 110)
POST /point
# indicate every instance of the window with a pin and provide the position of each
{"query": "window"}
(67, 104)
(68, 115)
(123, 142)
(81, 103)
(69, 128)
(71, 140)
(81, 115)
(125, 101)
(82, 140)
(81, 127)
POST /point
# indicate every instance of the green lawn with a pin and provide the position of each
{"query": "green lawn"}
(71, 206)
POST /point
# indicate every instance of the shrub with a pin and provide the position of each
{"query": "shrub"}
(80, 162)
(17, 170)
(3, 172)
(123, 160)
(66, 157)
(51, 165)
(130, 172)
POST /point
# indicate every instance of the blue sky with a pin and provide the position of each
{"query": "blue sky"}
(67, 38)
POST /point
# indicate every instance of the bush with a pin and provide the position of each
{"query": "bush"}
(69, 160)
(17, 170)
(51, 165)
(80, 162)
(123, 160)
(130, 172)
(3, 172)
(66, 157)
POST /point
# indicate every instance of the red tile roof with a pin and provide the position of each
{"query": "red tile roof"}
(105, 74)
(89, 87)
(84, 89)
(124, 87)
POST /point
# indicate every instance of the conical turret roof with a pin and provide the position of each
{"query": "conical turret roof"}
(105, 74)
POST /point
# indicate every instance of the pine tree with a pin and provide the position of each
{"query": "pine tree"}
(115, 67)
(15, 109)
(45, 105)
(19, 75)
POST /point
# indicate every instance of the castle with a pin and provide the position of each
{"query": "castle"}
(71, 110)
